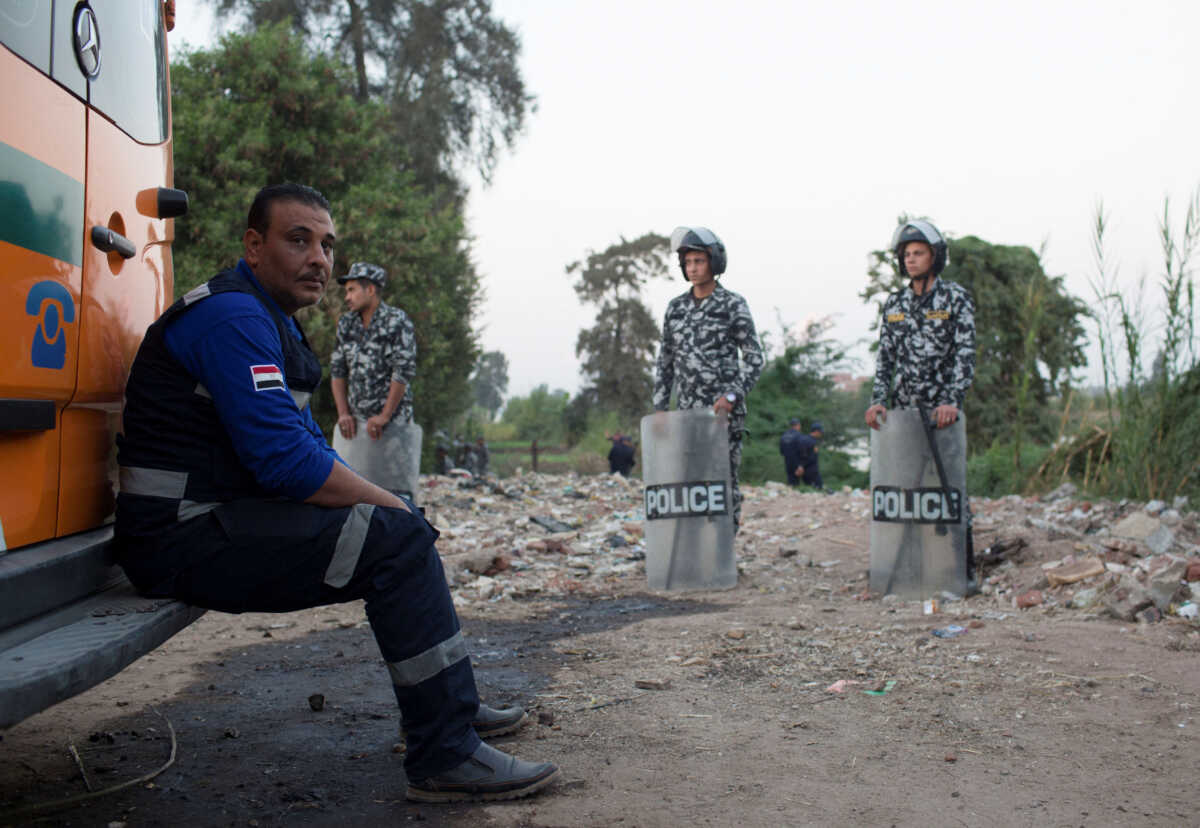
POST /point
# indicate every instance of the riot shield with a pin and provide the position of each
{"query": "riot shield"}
(918, 529)
(689, 518)
(392, 462)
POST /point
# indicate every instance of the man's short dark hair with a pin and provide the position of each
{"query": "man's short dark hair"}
(259, 217)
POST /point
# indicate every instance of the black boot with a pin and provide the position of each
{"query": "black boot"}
(488, 774)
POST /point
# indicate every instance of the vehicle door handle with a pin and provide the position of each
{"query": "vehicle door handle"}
(109, 241)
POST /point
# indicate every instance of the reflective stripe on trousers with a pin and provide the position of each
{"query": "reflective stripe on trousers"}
(428, 664)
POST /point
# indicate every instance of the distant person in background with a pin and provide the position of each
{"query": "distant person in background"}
(789, 448)
(808, 466)
(480, 459)
(621, 455)
(703, 332)
(443, 462)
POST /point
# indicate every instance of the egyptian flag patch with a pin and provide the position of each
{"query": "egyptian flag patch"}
(266, 377)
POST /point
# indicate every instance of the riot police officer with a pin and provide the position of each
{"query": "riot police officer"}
(703, 331)
(926, 356)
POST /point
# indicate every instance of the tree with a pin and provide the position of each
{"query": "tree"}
(446, 69)
(540, 416)
(489, 381)
(1029, 335)
(797, 382)
(259, 109)
(618, 351)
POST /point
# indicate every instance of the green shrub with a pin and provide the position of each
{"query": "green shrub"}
(996, 472)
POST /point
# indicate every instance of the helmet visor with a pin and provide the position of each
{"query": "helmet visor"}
(917, 230)
(697, 237)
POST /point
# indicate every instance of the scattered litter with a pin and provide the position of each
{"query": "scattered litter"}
(551, 524)
(930, 606)
(952, 631)
(652, 684)
(840, 685)
(882, 688)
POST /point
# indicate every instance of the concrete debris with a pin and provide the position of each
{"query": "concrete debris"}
(1031, 598)
(1143, 527)
(1126, 598)
(568, 533)
(1063, 492)
(1168, 585)
(1077, 571)
(1193, 570)
(1150, 615)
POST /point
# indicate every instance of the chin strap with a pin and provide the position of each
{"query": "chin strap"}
(926, 281)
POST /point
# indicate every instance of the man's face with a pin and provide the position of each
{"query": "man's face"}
(293, 260)
(697, 268)
(918, 259)
(359, 294)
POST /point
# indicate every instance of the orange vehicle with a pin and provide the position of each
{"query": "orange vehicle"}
(85, 247)
(86, 223)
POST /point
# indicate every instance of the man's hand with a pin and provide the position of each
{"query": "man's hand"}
(722, 405)
(876, 416)
(945, 415)
(347, 425)
(375, 425)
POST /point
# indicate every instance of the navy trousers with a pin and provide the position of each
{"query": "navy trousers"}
(281, 556)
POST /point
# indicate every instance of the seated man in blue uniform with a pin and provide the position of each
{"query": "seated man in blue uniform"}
(232, 500)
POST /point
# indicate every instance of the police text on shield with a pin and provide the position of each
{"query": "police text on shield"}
(924, 505)
(675, 500)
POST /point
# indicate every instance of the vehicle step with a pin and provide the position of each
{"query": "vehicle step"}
(82, 645)
(54, 574)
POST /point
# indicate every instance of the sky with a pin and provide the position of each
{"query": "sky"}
(799, 131)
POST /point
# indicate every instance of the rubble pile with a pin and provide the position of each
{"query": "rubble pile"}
(1130, 561)
(534, 533)
(565, 533)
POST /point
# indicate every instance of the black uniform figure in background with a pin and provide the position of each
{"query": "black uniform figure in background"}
(443, 461)
(480, 458)
(808, 464)
(232, 500)
(799, 452)
(621, 456)
(926, 354)
(375, 358)
(787, 447)
(703, 331)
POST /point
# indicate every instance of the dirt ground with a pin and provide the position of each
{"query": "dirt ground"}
(1047, 716)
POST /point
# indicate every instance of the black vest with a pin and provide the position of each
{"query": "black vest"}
(177, 461)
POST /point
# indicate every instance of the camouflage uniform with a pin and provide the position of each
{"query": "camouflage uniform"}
(370, 359)
(926, 348)
(698, 360)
